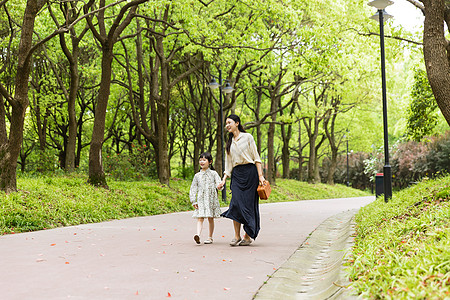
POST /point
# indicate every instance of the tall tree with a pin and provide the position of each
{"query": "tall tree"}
(107, 39)
(10, 145)
(436, 51)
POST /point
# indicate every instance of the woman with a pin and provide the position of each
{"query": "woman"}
(243, 165)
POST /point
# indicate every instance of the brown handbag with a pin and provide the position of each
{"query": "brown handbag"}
(264, 190)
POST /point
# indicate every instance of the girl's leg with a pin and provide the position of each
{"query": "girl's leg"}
(211, 226)
(199, 230)
(200, 226)
(237, 230)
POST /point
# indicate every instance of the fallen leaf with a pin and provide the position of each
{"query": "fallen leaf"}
(137, 293)
(67, 263)
(168, 294)
(52, 245)
(226, 289)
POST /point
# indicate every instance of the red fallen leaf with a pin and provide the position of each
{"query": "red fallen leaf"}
(224, 260)
(175, 229)
(274, 268)
(137, 293)
(226, 289)
(223, 236)
(67, 263)
(75, 233)
(52, 245)
(168, 294)
(154, 228)
(160, 236)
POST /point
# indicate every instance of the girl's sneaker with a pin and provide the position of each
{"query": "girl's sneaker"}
(208, 241)
(197, 239)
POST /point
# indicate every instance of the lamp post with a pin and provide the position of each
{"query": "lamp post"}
(380, 5)
(227, 89)
(348, 181)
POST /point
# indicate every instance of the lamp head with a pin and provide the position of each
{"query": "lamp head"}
(213, 84)
(380, 4)
(386, 16)
(227, 89)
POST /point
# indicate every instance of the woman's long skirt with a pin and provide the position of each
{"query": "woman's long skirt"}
(244, 204)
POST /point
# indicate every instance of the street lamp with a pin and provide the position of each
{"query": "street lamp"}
(348, 181)
(380, 5)
(226, 90)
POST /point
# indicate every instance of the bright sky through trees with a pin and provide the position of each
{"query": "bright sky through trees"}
(406, 14)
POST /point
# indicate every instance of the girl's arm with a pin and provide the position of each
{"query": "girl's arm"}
(222, 183)
(217, 181)
(193, 191)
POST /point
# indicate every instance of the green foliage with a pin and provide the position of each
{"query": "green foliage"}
(134, 165)
(402, 247)
(422, 115)
(49, 202)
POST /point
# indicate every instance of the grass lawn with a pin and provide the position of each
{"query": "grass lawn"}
(49, 202)
(402, 248)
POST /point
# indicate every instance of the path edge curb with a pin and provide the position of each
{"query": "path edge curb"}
(316, 269)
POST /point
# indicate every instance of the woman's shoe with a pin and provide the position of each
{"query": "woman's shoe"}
(197, 239)
(235, 242)
(245, 242)
(208, 241)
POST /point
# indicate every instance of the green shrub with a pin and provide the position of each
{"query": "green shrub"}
(136, 164)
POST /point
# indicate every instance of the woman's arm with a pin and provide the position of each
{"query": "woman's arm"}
(260, 172)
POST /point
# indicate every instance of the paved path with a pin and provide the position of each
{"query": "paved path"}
(155, 257)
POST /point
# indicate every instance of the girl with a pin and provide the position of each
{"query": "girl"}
(243, 165)
(203, 196)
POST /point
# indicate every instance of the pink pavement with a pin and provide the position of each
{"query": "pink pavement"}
(156, 257)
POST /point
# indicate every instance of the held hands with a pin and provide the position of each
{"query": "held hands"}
(195, 206)
(220, 185)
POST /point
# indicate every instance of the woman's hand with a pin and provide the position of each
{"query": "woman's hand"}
(195, 206)
(261, 179)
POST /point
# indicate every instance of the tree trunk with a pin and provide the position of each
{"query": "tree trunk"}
(300, 152)
(271, 168)
(96, 172)
(436, 54)
(74, 82)
(10, 149)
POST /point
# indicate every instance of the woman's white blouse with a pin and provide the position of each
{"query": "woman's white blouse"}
(242, 151)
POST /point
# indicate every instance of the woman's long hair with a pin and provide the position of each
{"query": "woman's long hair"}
(208, 156)
(236, 119)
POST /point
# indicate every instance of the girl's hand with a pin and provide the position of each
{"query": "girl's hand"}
(261, 180)
(220, 185)
(196, 206)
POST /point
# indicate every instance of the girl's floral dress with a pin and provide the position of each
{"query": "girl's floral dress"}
(203, 192)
